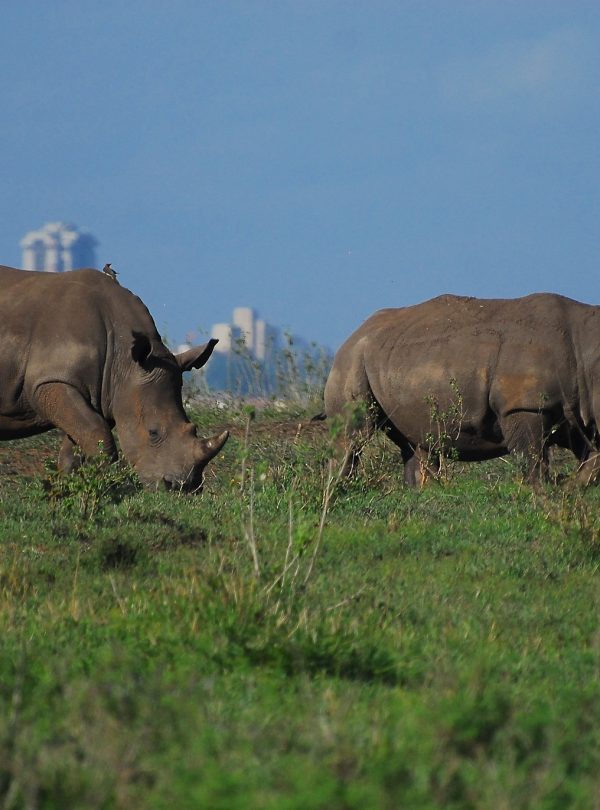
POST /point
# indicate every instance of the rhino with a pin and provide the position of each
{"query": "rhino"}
(82, 354)
(485, 377)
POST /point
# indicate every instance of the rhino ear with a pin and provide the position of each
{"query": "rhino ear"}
(197, 356)
(141, 348)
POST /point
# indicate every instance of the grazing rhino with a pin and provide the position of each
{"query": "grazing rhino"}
(484, 377)
(81, 353)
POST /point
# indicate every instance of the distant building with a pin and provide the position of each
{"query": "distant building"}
(254, 358)
(58, 246)
(245, 338)
(258, 337)
(223, 332)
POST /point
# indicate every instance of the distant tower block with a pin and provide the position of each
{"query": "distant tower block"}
(58, 246)
(222, 332)
(260, 339)
(243, 318)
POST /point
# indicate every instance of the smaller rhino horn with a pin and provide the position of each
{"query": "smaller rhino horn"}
(208, 448)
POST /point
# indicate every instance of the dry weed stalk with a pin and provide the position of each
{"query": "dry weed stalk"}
(445, 425)
(249, 531)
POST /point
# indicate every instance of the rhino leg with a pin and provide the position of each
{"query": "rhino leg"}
(526, 434)
(349, 398)
(418, 466)
(64, 407)
(67, 460)
(586, 447)
(589, 470)
(414, 469)
(359, 427)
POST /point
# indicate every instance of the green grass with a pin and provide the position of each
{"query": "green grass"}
(425, 649)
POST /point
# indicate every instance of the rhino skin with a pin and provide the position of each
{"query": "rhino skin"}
(82, 354)
(525, 373)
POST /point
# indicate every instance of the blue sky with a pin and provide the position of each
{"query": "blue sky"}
(315, 160)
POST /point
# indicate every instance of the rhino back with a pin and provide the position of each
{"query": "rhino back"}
(67, 327)
(529, 348)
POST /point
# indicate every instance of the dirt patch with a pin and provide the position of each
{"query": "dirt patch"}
(292, 429)
(27, 457)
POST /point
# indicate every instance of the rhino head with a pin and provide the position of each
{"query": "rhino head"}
(155, 434)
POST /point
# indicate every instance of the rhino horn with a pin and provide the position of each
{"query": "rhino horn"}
(197, 356)
(208, 448)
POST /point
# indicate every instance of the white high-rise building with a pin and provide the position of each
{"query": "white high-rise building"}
(58, 246)
(265, 339)
(243, 320)
(223, 333)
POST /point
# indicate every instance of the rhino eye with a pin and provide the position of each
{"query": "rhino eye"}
(154, 434)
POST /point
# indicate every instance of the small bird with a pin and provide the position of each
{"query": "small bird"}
(107, 270)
